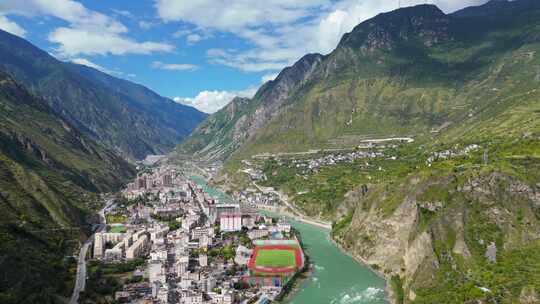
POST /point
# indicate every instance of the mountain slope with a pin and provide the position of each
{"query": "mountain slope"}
(127, 117)
(50, 175)
(411, 72)
(458, 229)
(225, 131)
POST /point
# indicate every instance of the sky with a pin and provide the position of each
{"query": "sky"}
(196, 52)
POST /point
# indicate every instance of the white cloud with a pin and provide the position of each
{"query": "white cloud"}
(181, 33)
(193, 38)
(225, 15)
(269, 77)
(88, 63)
(88, 32)
(212, 101)
(146, 25)
(11, 27)
(71, 11)
(73, 42)
(257, 60)
(123, 13)
(173, 66)
(282, 31)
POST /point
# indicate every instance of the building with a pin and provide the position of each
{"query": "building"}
(122, 297)
(182, 264)
(203, 260)
(230, 222)
(258, 233)
(248, 221)
(114, 254)
(190, 297)
(208, 284)
(166, 180)
(243, 255)
(138, 249)
(140, 183)
(99, 245)
(101, 239)
(158, 255)
(226, 209)
(198, 232)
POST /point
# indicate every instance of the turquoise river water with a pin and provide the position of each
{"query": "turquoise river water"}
(337, 278)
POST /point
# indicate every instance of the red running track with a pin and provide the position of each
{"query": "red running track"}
(276, 270)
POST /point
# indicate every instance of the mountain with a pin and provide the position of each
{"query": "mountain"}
(496, 8)
(407, 72)
(226, 130)
(50, 178)
(462, 228)
(127, 117)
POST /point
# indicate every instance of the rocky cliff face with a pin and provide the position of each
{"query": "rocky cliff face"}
(469, 222)
(226, 130)
(272, 98)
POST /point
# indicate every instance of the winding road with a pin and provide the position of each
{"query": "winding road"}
(80, 280)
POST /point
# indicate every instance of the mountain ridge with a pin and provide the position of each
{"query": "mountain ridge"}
(51, 175)
(426, 215)
(127, 117)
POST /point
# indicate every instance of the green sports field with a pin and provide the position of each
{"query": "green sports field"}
(275, 258)
(118, 229)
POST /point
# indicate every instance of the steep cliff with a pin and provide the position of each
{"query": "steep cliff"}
(225, 131)
(452, 236)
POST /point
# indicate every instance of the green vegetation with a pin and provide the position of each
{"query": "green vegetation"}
(342, 224)
(118, 113)
(227, 253)
(275, 258)
(118, 229)
(115, 218)
(169, 220)
(50, 176)
(105, 279)
(397, 287)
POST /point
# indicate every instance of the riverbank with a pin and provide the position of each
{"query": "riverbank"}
(389, 292)
(335, 277)
(296, 213)
(293, 286)
(299, 216)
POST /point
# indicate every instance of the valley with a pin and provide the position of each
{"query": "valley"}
(166, 191)
(400, 166)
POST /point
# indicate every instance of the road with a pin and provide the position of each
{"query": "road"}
(80, 280)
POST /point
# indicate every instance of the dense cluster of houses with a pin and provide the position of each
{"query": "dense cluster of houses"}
(196, 248)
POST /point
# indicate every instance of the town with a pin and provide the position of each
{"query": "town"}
(195, 248)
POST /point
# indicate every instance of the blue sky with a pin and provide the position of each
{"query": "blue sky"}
(198, 52)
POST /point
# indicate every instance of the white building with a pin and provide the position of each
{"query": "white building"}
(203, 260)
(230, 222)
(138, 249)
(182, 264)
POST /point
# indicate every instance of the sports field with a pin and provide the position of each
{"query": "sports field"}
(118, 229)
(275, 258)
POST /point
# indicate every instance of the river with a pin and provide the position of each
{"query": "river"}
(337, 278)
